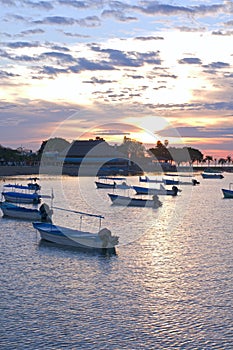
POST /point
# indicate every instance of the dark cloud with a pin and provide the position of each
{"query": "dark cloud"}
(190, 60)
(89, 21)
(60, 48)
(94, 80)
(221, 33)
(191, 29)
(76, 35)
(73, 3)
(84, 64)
(129, 59)
(48, 70)
(60, 57)
(217, 65)
(58, 20)
(31, 31)
(154, 7)
(7, 2)
(119, 16)
(5, 74)
(44, 5)
(22, 44)
(148, 38)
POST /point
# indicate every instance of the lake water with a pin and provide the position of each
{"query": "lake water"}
(169, 286)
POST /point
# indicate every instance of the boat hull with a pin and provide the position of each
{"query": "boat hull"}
(152, 191)
(212, 176)
(20, 212)
(25, 198)
(146, 179)
(72, 238)
(132, 202)
(104, 185)
(227, 193)
(122, 186)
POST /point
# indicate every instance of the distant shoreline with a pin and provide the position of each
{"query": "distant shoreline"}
(73, 171)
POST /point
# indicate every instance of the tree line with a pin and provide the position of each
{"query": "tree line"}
(131, 148)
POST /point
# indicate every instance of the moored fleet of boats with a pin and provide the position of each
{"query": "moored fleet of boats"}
(21, 202)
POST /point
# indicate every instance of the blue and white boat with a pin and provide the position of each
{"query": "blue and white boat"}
(209, 175)
(112, 182)
(44, 213)
(21, 194)
(228, 193)
(158, 191)
(135, 202)
(100, 240)
(151, 180)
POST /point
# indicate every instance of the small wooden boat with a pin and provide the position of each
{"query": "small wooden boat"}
(228, 193)
(21, 197)
(111, 182)
(103, 239)
(171, 182)
(159, 191)
(212, 175)
(134, 202)
(10, 210)
(147, 179)
(193, 182)
(21, 194)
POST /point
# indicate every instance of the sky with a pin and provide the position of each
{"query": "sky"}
(150, 70)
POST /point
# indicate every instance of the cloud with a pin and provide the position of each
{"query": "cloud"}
(190, 60)
(22, 44)
(44, 5)
(217, 65)
(118, 15)
(89, 21)
(76, 35)
(31, 31)
(81, 5)
(94, 80)
(198, 132)
(154, 7)
(60, 57)
(5, 74)
(129, 59)
(148, 38)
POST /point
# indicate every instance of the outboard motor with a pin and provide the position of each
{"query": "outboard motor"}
(175, 190)
(107, 238)
(46, 213)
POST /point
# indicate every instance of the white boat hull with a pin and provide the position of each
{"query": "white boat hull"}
(73, 238)
(21, 214)
(13, 197)
(133, 202)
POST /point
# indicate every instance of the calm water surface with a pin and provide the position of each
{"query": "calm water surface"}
(169, 286)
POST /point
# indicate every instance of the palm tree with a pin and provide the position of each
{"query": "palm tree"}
(209, 159)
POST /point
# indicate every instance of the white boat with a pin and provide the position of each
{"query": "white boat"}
(159, 191)
(111, 182)
(22, 194)
(44, 213)
(103, 239)
(134, 202)
(147, 179)
(20, 197)
(228, 193)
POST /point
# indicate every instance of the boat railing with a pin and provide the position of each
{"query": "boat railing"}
(81, 213)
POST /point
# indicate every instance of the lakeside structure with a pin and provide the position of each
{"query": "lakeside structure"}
(96, 157)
